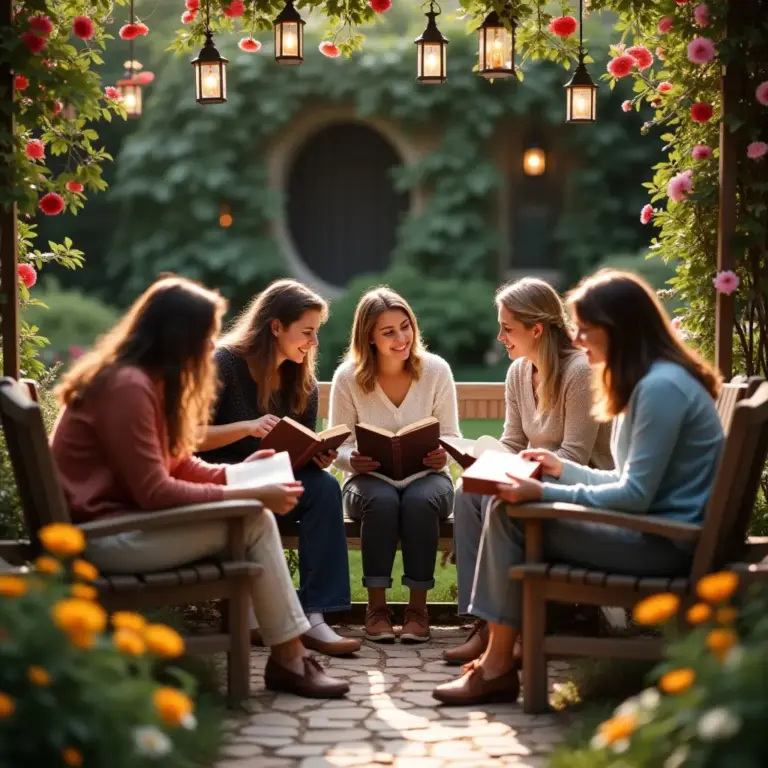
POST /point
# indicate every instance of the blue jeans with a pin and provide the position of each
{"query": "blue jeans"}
(323, 562)
(499, 599)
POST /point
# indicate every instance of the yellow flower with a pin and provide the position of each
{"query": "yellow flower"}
(84, 591)
(163, 641)
(85, 571)
(720, 641)
(726, 615)
(717, 587)
(38, 676)
(62, 539)
(76, 616)
(172, 705)
(618, 728)
(7, 706)
(12, 586)
(72, 757)
(128, 620)
(677, 681)
(129, 642)
(698, 614)
(47, 564)
(656, 609)
(83, 640)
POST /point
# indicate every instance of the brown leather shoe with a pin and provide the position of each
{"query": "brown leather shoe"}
(346, 646)
(472, 688)
(378, 626)
(472, 648)
(313, 684)
(415, 627)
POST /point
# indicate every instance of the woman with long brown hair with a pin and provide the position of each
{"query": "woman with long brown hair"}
(123, 443)
(390, 381)
(666, 444)
(266, 365)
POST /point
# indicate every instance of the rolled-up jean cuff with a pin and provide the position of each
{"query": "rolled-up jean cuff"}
(377, 582)
(494, 618)
(299, 628)
(328, 608)
(413, 584)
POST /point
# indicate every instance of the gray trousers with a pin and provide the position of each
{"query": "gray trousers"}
(497, 598)
(410, 515)
(469, 510)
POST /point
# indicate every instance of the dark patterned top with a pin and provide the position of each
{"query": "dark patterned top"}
(239, 401)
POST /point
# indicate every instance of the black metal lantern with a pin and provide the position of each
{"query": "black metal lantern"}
(210, 73)
(289, 36)
(497, 49)
(130, 90)
(581, 91)
(431, 47)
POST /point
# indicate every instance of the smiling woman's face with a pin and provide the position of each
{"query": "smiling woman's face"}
(593, 340)
(393, 334)
(518, 340)
(295, 341)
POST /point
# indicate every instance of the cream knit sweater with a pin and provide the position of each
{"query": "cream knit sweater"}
(434, 394)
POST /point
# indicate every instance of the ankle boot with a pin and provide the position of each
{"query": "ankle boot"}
(472, 648)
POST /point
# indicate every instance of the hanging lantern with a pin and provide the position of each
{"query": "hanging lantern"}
(581, 98)
(210, 74)
(497, 49)
(431, 48)
(289, 36)
(534, 161)
(130, 88)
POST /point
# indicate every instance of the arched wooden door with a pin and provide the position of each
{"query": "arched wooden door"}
(343, 210)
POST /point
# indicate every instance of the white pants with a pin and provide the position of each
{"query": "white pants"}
(275, 603)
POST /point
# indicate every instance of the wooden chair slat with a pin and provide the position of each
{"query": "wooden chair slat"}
(621, 582)
(560, 572)
(577, 575)
(188, 575)
(679, 586)
(208, 572)
(655, 583)
(595, 578)
(124, 582)
(242, 569)
(160, 579)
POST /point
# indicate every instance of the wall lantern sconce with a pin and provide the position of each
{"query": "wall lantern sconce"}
(534, 161)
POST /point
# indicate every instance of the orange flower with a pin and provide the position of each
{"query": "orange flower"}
(127, 641)
(163, 641)
(12, 586)
(83, 640)
(84, 592)
(618, 728)
(38, 676)
(85, 571)
(717, 587)
(128, 620)
(677, 681)
(720, 641)
(62, 539)
(74, 615)
(47, 564)
(698, 614)
(72, 757)
(656, 609)
(172, 705)
(726, 615)
(7, 706)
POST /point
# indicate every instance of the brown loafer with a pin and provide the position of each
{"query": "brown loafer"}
(313, 684)
(415, 627)
(472, 688)
(346, 646)
(378, 626)
(472, 648)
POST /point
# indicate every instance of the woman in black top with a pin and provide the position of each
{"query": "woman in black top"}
(267, 370)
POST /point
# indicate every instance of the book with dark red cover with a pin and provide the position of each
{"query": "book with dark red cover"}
(400, 454)
(302, 443)
(491, 468)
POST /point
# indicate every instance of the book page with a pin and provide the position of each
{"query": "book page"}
(256, 474)
(341, 429)
(488, 443)
(461, 444)
(416, 425)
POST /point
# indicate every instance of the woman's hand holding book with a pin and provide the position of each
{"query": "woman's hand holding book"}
(551, 463)
(324, 460)
(436, 459)
(362, 464)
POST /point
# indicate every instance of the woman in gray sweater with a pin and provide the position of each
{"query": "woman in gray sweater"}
(548, 402)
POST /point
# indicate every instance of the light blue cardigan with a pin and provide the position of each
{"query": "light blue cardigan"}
(666, 446)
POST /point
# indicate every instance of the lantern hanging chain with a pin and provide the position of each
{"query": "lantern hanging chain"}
(432, 5)
(581, 29)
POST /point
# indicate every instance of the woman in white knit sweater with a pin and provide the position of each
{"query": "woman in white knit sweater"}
(388, 380)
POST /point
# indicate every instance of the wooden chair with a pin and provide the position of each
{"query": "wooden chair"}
(229, 579)
(718, 542)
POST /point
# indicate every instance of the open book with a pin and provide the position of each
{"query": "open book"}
(302, 443)
(400, 454)
(256, 474)
(466, 452)
(490, 470)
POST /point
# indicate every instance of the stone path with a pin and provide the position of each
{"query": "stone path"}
(388, 718)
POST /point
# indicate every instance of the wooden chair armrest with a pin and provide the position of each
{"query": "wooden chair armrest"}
(151, 521)
(559, 510)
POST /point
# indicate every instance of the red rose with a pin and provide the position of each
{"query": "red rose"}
(621, 66)
(234, 9)
(142, 27)
(82, 27)
(35, 149)
(41, 24)
(20, 83)
(564, 26)
(113, 93)
(74, 186)
(701, 112)
(641, 55)
(329, 49)
(188, 17)
(380, 6)
(145, 78)
(192, 5)
(33, 42)
(51, 204)
(129, 31)
(27, 275)
(249, 44)
(57, 107)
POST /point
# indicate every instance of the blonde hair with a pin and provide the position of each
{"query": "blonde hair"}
(533, 301)
(166, 333)
(251, 337)
(362, 351)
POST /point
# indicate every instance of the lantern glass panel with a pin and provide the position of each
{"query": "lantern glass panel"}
(131, 99)
(212, 81)
(581, 104)
(432, 61)
(534, 161)
(495, 48)
(288, 40)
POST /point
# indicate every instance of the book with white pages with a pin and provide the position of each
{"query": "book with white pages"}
(466, 451)
(274, 470)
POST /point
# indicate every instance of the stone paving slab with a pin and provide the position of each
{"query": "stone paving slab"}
(389, 718)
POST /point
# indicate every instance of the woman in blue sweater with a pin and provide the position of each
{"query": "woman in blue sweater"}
(666, 444)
